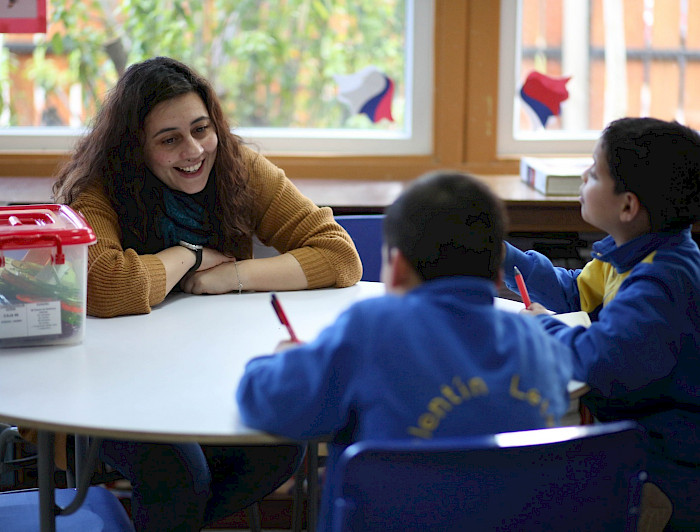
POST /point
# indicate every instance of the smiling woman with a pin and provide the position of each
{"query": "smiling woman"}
(161, 167)
(175, 199)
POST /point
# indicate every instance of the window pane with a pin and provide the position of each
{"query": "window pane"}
(277, 65)
(623, 58)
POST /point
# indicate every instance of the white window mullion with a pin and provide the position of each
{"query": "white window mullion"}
(4, 84)
(39, 103)
(75, 104)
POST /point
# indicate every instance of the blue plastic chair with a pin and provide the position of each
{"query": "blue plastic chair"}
(569, 478)
(101, 510)
(366, 231)
(19, 508)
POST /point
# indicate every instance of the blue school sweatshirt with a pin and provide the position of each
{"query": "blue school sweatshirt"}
(437, 362)
(641, 355)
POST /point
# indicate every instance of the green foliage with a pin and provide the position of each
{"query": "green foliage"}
(271, 61)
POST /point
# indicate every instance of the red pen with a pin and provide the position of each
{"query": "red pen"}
(521, 286)
(283, 317)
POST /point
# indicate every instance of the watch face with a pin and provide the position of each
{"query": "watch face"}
(193, 247)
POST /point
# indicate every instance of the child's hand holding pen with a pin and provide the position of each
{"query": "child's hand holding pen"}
(534, 309)
(530, 308)
(283, 345)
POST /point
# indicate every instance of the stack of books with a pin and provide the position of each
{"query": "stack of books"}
(559, 176)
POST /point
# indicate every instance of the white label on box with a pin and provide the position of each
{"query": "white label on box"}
(32, 319)
(13, 321)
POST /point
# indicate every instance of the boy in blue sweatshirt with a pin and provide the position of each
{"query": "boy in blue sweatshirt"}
(431, 359)
(641, 355)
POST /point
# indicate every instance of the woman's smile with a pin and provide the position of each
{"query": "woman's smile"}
(180, 143)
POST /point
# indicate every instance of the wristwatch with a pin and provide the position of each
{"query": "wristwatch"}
(197, 250)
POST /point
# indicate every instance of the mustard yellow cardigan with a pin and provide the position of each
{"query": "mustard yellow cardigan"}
(123, 282)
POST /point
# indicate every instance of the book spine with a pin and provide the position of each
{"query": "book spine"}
(534, 177)
(527, 172)
(523, 170)
(547, 183)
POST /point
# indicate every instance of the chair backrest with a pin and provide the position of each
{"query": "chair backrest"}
(366, 231)
(19, 508)
(568, 478)
(101, 510)
(10, 462)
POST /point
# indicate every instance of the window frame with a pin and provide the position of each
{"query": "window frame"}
(415, 138)
(464, 107)
(509, 142)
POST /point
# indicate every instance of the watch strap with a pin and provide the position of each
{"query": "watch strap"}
(197, 250)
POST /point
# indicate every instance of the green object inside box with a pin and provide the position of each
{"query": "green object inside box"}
(25, 282)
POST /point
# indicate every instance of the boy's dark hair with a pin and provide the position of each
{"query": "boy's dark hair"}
(447, 223)
(659, 162)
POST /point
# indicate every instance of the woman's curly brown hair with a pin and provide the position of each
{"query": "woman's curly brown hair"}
(111, 154)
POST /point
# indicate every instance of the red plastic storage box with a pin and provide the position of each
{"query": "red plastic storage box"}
(43, 275)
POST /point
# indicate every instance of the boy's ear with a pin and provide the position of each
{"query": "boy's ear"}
(402, 276)
(499, 278)
(631, 207)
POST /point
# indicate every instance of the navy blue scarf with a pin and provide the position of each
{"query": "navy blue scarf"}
(173, 216)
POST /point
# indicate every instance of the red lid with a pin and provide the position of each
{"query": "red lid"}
(29, 226)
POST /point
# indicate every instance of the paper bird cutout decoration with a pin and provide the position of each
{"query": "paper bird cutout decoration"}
(368, 91)
(544, 94)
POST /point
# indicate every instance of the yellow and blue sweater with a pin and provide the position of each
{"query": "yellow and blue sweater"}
(641, 355)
